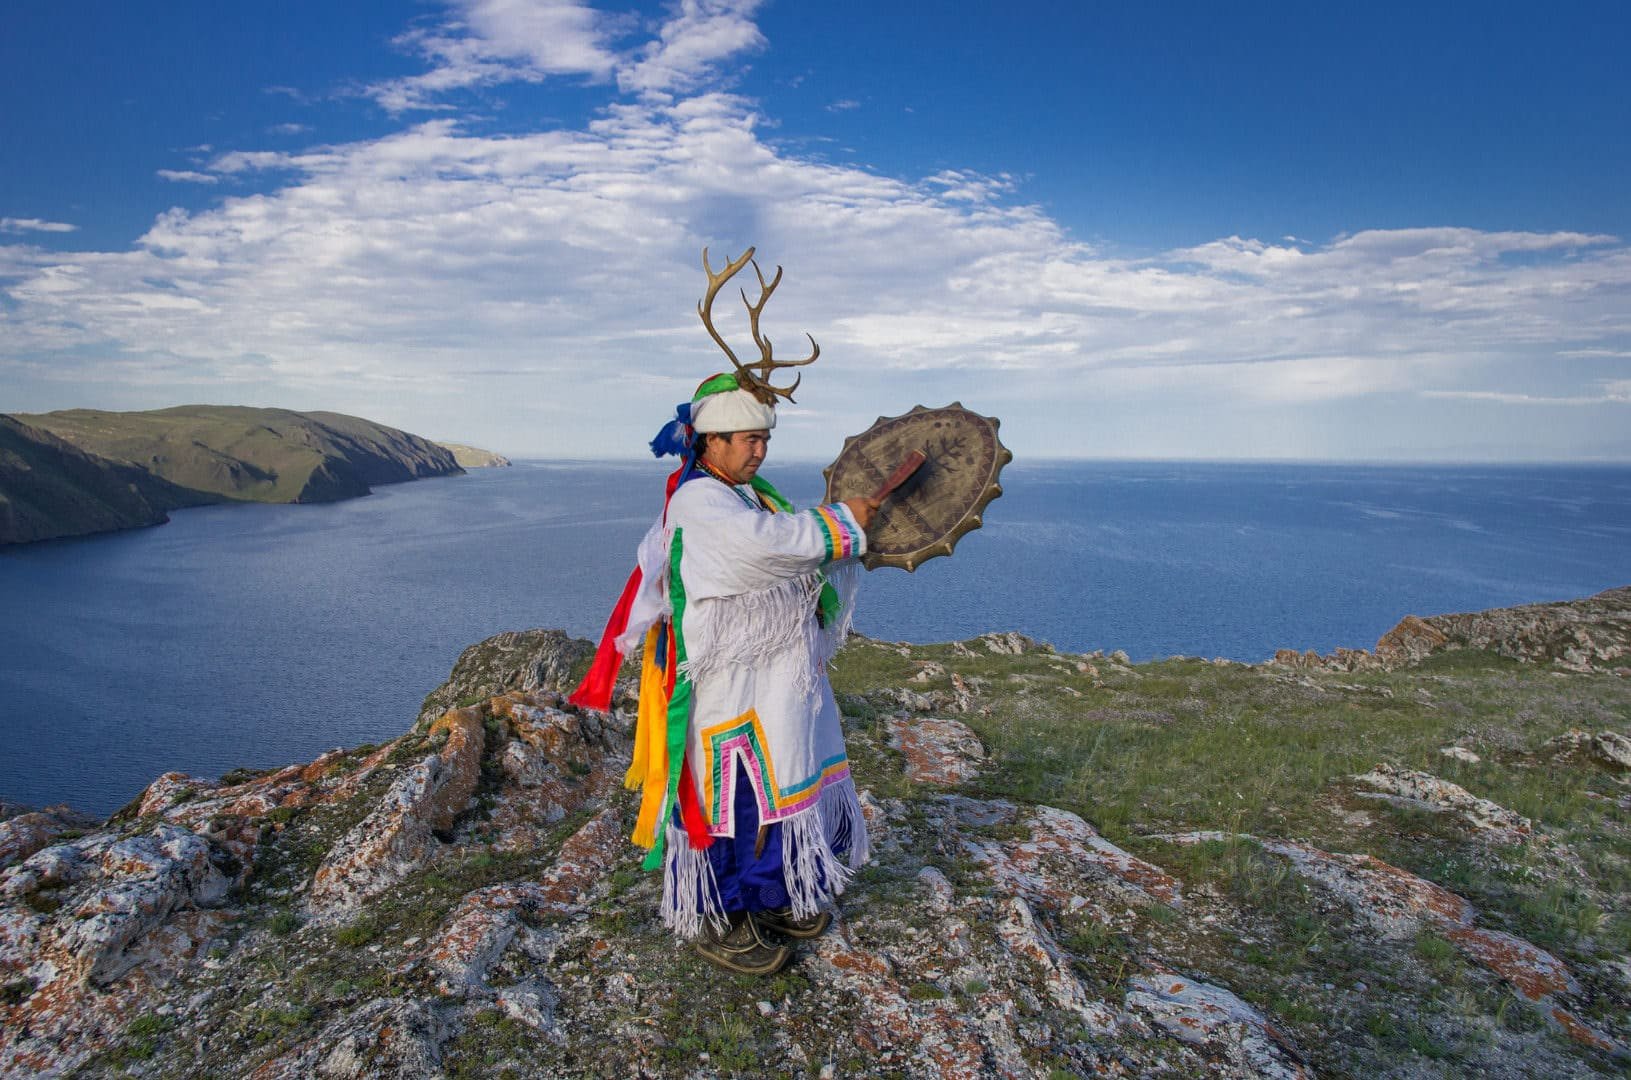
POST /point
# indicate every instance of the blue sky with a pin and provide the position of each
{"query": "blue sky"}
(1394, 232)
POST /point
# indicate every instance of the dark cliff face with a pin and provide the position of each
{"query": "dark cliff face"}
(50, 488)
(110, 470)
(370, 453)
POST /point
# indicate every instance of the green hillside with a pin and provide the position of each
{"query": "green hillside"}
(253, 455)
(51, 488)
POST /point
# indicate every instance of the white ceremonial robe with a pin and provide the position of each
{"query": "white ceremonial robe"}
(746, 594)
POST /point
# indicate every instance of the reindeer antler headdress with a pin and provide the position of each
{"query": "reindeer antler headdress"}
(744, 400)
(756, 384)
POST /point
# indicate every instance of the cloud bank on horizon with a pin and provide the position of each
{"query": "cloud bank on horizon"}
(530, 286)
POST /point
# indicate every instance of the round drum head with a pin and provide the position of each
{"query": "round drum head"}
(942, 501)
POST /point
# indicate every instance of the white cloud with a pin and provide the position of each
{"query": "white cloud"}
(691, 45)
(485, 43)
(490, 42)
(20, 225)
(459, 283)
(288, 129)
(187, 176)
(1612, 392)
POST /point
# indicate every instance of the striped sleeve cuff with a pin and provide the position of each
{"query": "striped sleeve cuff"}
(845, 539)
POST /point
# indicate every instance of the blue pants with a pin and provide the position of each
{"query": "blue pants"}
(747, 883)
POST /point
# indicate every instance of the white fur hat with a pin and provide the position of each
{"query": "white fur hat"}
(731, 410)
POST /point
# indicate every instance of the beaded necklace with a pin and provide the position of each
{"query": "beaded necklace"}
(752, 501)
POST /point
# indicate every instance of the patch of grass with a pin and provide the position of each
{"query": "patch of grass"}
(356, 935)
(283, 923)
(271, 1023)
(1435, 951)
(139, 1041)
(924, 991)
(490, 1041)
(16, 991)
(42, 901)
(728, 1040)
(1421, 1041)
(1295, 1011)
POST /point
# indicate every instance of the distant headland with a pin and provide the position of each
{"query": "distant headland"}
(82, 471)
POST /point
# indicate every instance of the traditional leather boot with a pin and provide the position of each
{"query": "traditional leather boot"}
(741, 949)
(782, 922)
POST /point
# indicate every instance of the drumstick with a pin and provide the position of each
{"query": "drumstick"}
(903, 472)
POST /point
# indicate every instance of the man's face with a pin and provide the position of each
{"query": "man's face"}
(739, 454)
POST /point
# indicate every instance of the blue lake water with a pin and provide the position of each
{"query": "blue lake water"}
(261, 635)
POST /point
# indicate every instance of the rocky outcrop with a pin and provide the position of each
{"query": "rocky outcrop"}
(1593, 634)
(400, 834)
(530, 661)
(1608, 748)
(1411, 640)
(472, 457)
(1589, 635)
(385, 1038)
(937, 751)
(25, 832)
(1398, 905)
(1198, 1014)
(463, 901)
(1423, 790)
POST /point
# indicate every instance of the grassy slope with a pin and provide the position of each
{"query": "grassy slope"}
(1186, 745)
(51, 488)
(246, 454)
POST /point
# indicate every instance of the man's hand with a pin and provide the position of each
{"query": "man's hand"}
(863, 509)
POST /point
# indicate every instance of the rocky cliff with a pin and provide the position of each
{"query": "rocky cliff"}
(149, 462)
(1083, 867)
(473, 457)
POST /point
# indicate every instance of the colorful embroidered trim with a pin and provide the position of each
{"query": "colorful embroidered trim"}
(840, 540)
(744, 737)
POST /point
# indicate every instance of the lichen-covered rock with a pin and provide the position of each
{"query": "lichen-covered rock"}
(944, 1042)
(1398, 904)
(142, 880)
(1413, 639)
(1612, 749)
(1062, 854)
(1009, 644)
(1593, 634)
(1210, 1016)
(24, 833)
(399, 835)
(1027, 937)
(1393, 902)
(1428, 792)
(937, 750)
(388, 1039)
(487, 921)
(532, 661)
